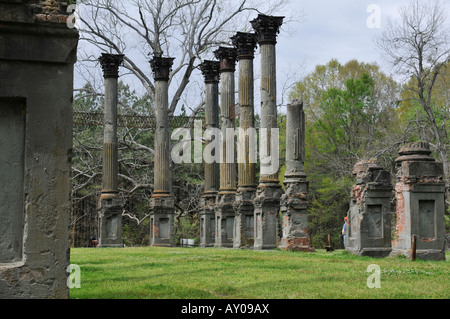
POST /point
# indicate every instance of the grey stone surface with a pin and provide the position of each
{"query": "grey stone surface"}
(420, 200)
(294, 201)
(12, 151)
(224, 204)
(110, 222)
(267, 216)
(162, 232)
(110, 205)
(246, 188)
(162, 202)
(225, 216)
(36, 84)
(207, 221)
(211, 73)
(369, 216)
(244, 222)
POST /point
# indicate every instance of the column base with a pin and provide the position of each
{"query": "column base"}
(421, 254)
(294, 209)
(244, 225)
(267, 210)
(225, 219)
(110, 221)
(162, 230)
(207, 220)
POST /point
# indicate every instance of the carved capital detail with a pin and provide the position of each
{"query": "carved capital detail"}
(245, 44)
(227, 57)
(161, 68)
(110, 64)
(267, 28)
(210, 70)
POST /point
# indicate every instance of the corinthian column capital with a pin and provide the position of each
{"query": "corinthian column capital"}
(267, 28)
(110, 64)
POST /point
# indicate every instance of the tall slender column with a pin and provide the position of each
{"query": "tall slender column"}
(224, 205)
(243, 206)
(294, 202)
(210, 70)
(267, 200)
(110, 219)
(162, 203)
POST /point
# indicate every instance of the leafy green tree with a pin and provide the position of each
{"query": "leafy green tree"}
(417, 48)
(350, 115)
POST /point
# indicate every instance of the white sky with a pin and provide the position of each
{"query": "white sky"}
(331, 29)
(340, 29)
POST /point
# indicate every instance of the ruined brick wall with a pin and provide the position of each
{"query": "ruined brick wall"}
(406, 184)
(35, 11)
(366, 172)
(369, 215)
(53, 11)
(420, 178)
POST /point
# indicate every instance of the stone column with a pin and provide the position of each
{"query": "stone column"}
(420, 198)
(243, 234)
(162, 202)
(224, 206)
(369, 216)
(267, 200)
(294, 202)
(110, 205)
(37, 55)
(210, 70)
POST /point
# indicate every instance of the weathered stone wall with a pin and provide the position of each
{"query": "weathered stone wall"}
(39, 11)
(294, 201)
(369, 216)
(36, 84)
(420, 197)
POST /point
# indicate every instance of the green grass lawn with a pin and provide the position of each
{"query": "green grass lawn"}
(195, 273)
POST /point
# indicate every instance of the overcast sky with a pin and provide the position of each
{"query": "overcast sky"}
(341, 29)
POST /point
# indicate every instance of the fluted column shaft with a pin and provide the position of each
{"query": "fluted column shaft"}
(246, 167)
(246, 44)
(162, 138)
(110, 213)
(210, 70)
(243, 233)
(267, 28)
(295, 138)
(161, 68)
(110, 64)
(224, 212)
(227, 58)
(268, 108)
(228, 158)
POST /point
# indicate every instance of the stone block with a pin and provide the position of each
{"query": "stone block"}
(110, 223)
(162, 230)
(36, 76)
(369, 217)
(420, 204)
